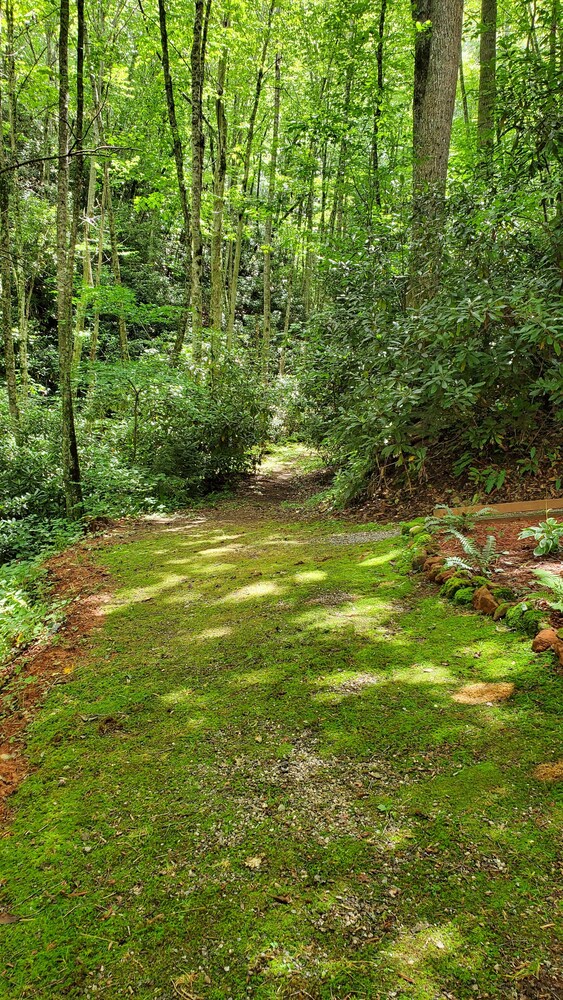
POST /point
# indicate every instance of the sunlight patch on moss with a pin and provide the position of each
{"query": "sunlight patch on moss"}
(310, 576)
(265, 588)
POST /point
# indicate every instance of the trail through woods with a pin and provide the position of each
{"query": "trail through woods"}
(256, 780)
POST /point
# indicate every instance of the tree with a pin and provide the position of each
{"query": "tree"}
(438, 25)
(65, 268)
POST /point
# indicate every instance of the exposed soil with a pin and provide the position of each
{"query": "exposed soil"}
(390, 498)
(483, 694)
(549, 772)
(25, 680)
(516, 562)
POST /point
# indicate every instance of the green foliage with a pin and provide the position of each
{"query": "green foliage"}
(547, 534)
(464, 595)
(553, 583)
(479, 558)
(449, 522)
(26, 609)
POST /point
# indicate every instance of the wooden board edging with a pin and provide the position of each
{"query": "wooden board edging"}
(521, 508)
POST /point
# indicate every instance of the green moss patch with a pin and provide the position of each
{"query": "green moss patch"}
(257, 784)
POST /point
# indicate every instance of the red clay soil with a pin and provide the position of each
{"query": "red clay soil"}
(26, 679)
(516, 560)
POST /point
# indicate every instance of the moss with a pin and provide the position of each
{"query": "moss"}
(421, 540)
(410, 527)
(502, 610)
(464, 595)
(502, 594)
(285, 700)
(455, 583)
(480, 581)
(523, 618)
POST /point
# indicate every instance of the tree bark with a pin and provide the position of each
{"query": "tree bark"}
(197, 66)
(378, 106)
(180, 176)
(437, 52)
(70, 461)
(267, 330)
(487, 82)
(216, 309)
(244, 185)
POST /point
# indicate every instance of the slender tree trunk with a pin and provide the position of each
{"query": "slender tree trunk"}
(244, 186)
(181, 180)
(378, 106)
(70, 461)
(216, 309)
(463, 90)
(98, 277)
(115, 266)
(267, 330)
(197, 67)
(6, 277)
(336, 215)
(487, 83)
(87, 276)
(437, 52)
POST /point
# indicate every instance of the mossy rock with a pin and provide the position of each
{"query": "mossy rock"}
(502, 594)
(455, 583)
(464, 595)
(417, 529)
(523, 618)
(481, 581)
(501, 611)
(422, 538)
(406, 526)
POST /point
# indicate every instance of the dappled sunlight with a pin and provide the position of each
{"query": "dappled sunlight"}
(310, 576)
(236, 547)
(265, 588)
(413, 949)
(168, 582)
(380, 560)
(424, 672)
(363, 616)
(251, 678)
(185, 694)
(213, 633)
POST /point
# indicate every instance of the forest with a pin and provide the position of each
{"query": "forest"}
(236, 222)
(281, 307)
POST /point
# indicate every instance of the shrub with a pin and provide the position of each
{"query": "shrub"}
(547, 534)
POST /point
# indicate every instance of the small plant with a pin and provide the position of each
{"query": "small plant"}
(449, 522)
(553, 583)
(547, 534)
(478, 558)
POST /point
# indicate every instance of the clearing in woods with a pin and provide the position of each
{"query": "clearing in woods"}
(257, 783)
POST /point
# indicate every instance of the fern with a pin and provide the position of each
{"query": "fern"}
(478, 558)
(449, 522)
(553, 583)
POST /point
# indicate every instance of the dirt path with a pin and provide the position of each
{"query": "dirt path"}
(257, 781)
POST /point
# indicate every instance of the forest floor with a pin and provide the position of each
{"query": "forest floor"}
(255, 780)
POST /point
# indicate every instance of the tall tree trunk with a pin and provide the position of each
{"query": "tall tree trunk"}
(267, 330)
(437, 51)
(233, 288)
(336, 215)
(115, 266)
(87, 276)
(378, 106)
(487, 82)
(198, 68)
(216, 309)
(6, 275)
(181, 180)
(70, 461)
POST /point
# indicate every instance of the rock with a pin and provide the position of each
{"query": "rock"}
(525, 619)
(432, 564)
(419, 559)
(444, 575)
(546, 639)
(501, 611)
(454, 583)
(484, 602)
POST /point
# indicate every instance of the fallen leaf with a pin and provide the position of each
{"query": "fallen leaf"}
(258, 739)
(282, 899)
(9, 918)
(253, 862)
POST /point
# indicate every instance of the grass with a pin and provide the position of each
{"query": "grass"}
(257, 784)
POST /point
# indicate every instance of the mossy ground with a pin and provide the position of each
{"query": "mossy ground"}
(257, 784)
